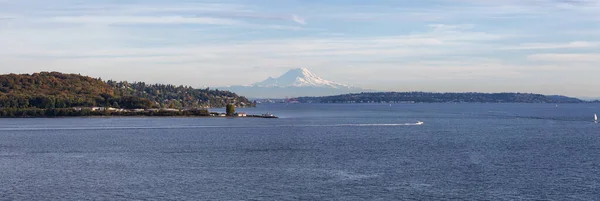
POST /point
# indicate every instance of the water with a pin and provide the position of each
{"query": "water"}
(314, 152)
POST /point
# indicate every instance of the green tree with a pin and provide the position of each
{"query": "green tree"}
(177, 104)
(230, 110)
(60, 103)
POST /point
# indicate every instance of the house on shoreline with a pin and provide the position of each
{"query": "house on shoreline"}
(111, 109)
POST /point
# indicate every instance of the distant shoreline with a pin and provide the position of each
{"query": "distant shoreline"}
(383, 103)
(430, 97)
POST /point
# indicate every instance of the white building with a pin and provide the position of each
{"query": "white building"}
(98, 108)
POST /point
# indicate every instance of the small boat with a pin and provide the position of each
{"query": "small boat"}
(420, 123)
(595, 118)
(268, 115)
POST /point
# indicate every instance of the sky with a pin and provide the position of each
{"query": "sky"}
(539, 46)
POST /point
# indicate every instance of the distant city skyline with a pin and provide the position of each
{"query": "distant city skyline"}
(537, 46)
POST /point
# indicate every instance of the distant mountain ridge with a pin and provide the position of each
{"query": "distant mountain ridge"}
(426, 97)
(294, 83)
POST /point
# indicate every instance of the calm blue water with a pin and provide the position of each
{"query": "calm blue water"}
(315, 152)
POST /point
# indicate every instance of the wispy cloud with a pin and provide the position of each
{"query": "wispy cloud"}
(152, 13)
(436, 41)
(259, 16)
(542, 46)
(565, 57)
(298, 20)
(449, 45)
(6, 16)
(470, 10)
(124, 20)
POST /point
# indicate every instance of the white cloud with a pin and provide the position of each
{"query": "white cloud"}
(542, 46)
(565, 57)
(102, 46)
(450, 46)
(451, 27)
(469, 10)
(430, 43)
(201, 13)
(298, 20)
(178, 8)
(123, 20)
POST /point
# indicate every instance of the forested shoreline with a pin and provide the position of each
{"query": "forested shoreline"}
(428, 97)
(70, 112)
(56, 94)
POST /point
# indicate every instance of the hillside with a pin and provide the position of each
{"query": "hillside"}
(58, 90)
(424, 97)
(166, 96)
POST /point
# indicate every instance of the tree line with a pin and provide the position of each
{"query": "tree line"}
(53, 90)
(171, 96)
(70, 112)
(426, 97)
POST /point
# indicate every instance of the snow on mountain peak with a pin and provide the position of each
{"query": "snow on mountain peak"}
(300, 77)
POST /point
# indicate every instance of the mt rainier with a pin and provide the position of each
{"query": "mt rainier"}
(300, 77)
(294, 83)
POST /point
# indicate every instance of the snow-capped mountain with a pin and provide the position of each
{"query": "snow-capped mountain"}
(300, 77)
(294, 83)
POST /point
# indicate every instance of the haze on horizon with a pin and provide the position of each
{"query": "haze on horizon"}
(539, 46)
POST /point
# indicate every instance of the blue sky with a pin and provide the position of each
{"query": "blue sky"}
(542, 46)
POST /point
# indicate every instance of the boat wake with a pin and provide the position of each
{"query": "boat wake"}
(375, 125)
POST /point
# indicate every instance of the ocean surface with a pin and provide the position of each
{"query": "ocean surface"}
(313, 152)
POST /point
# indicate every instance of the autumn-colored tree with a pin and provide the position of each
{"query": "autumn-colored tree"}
(230, 110)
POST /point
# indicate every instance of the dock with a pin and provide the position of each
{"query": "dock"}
(262, 116)
(244, 115)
